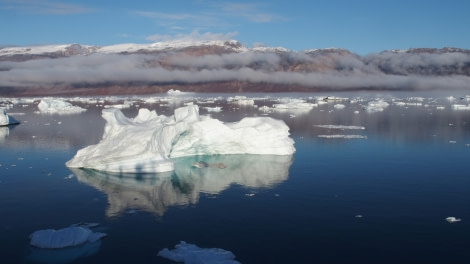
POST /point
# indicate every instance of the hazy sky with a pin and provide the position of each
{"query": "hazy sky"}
(361, 26)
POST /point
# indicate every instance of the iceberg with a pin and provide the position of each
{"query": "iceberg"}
(6, 120)
(146, 143)
(452, 219)
(190, 253)
(57, 106)
(376, 106)
(65, 237)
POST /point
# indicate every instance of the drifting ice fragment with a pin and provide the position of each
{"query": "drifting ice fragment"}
(460, 107)
(146, 143)
(342, 136)
(190, 253)
(65, 237)
(342, 127)
(376, 106)
(452, 219)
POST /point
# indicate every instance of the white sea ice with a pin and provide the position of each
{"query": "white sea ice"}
(460, 107)
(376, 106)
(174, 92)
(5, 119)
(213, 109)
(65, 237)
(342, 136)
(339, 106)
(57, 106)
(147, 142)
(192, 254)
(452, 219)
(342, 127)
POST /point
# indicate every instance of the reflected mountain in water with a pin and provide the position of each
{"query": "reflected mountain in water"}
(156, 192)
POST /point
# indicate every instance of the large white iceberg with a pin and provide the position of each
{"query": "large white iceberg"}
(146, 143)
(57, 106)
(5, 119)
(192, 254)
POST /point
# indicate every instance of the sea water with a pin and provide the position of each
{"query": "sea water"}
(362, 187)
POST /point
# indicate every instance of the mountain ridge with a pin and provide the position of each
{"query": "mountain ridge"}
(223, 66)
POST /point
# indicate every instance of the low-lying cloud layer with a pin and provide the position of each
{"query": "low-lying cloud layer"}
(317, 69)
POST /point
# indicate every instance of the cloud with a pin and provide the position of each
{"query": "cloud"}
(343, 72)
(44, 7)
(193, 36)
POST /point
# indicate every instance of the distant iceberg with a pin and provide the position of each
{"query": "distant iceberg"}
(6, 120)
(146, 143)
(192, 254)
(57, 106)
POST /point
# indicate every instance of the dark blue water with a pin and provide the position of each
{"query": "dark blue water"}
(382, 198)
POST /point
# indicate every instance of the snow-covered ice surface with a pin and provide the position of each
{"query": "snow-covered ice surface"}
(6, 119)
(192, 254)
(58, 106)
(146, 143)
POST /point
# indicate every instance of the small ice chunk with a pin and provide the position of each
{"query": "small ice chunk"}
(376, 106)
(452, 219)
(213, 109)
(339, 106)
(460, 107)
(342, 136)
(192, 254)
(342, 127)
(65, 237)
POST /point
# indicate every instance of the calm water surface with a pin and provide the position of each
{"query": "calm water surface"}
(381, 196)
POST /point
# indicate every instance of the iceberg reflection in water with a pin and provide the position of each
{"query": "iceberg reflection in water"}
(154, 193)
(64, 255)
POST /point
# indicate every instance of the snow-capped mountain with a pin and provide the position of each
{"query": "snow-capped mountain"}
(223, 66)
(66, 50)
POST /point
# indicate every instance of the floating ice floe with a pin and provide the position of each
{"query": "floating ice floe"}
(292, 103)
(339, 106)
(334, 98)
(342, 136)
(460, 107)
(376, 106)
(241, 100)
(6, 120)
(192, 254)
(146, 143)
(57, 106)
(342, 127)
(66, 237)
(125, 104)
(174, 92)
(452, 219)
(213, 109)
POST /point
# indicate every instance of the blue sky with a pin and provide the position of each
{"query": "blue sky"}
(361, 26)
